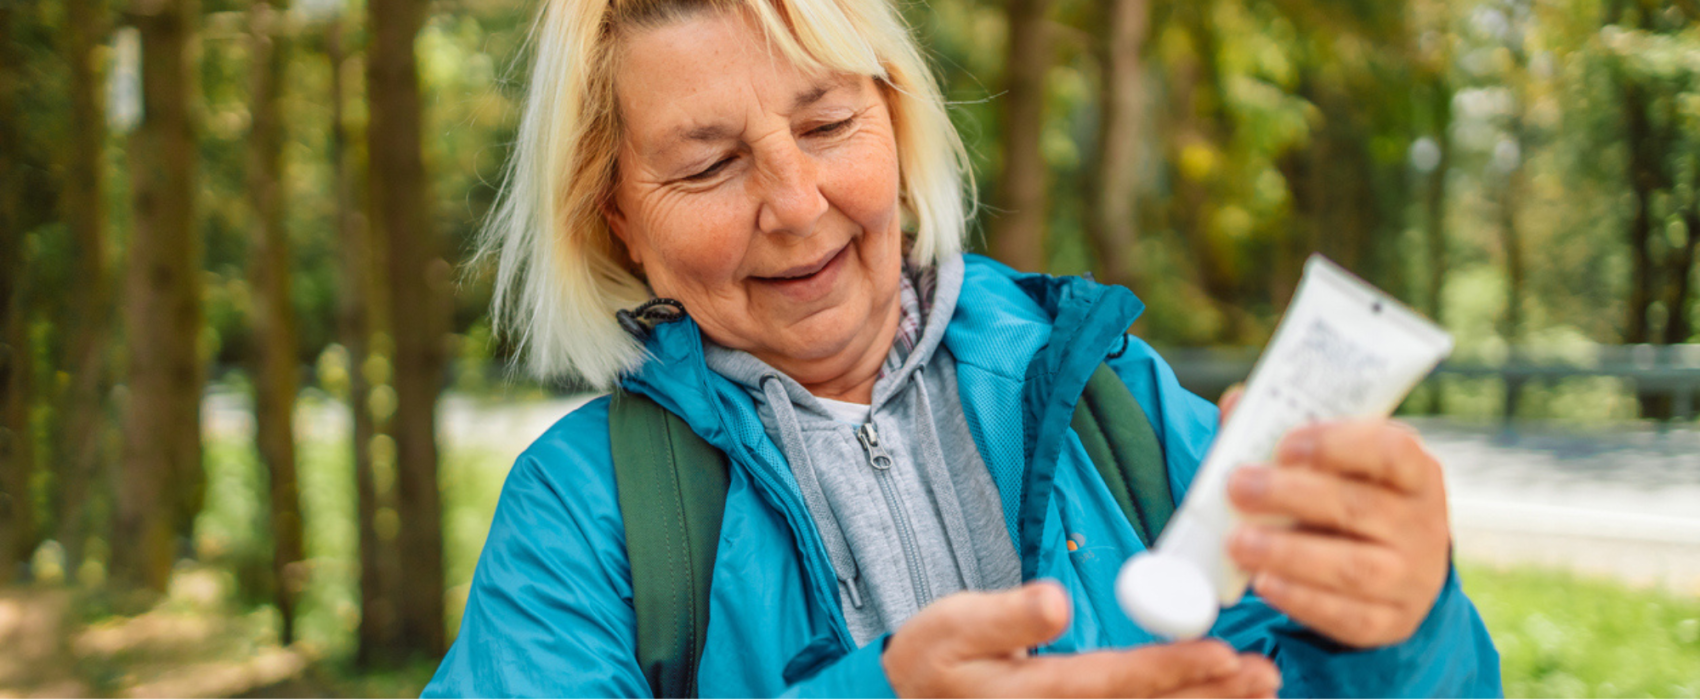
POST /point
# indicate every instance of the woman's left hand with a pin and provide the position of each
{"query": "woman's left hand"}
(1368, 547)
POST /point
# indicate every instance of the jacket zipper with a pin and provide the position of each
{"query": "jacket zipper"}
(880, 461)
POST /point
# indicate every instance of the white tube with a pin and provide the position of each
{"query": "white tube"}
(1343, 350)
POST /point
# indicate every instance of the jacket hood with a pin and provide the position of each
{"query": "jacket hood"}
(996, 306)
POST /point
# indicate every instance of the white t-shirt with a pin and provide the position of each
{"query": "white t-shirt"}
(844, 411)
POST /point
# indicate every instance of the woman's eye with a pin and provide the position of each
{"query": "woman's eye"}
(827, 129)
(711, 170)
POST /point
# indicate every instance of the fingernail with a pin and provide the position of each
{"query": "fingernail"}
(1267, 585)
(1251, 481)
(1252, 541)
(1298, 448)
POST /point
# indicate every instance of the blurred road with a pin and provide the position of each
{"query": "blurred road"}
(1621, 501)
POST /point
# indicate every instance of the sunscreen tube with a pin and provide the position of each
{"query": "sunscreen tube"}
(1343, 350)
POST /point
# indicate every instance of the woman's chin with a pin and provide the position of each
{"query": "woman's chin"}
(825, 343)
(818, 345)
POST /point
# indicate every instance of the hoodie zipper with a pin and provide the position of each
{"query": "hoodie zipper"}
(880, 460)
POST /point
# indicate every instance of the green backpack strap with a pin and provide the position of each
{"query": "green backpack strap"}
(672, 488)
(1123, 446)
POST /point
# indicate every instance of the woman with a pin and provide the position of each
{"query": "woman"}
(785, 171)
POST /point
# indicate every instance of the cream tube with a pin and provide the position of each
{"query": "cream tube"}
(1343, 350)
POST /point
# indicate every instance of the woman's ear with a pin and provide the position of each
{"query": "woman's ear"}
(618, 224)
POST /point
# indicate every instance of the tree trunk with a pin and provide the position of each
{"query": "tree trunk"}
(162, 480)
(17, 454)
(1646, 179)
(1643, 181)
(1111, 196)
(1018, 229)
(419, 312)
(17, 442)
(1434, 224)
(81, 435)
(1511, 242)
(1681, 328)
(361, 288)
(1434, 204)
(1343, 192)
(275, 341)
(1194, 139)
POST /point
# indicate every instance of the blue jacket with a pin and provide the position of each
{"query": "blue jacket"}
(550, 612)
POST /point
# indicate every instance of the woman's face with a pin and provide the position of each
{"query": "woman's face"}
(763, 197)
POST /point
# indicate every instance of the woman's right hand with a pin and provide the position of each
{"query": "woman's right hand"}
(975, 644)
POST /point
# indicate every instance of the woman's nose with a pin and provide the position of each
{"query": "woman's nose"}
(791, 199)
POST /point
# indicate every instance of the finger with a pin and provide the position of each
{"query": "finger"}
(1371, 449)
(974, 625)
(1346, 620)
(1145, 671)
(1230, 399)
(1321, 500)
(1357, 569)
(1257, 678)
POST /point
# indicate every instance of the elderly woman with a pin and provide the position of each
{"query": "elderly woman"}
(907, 511)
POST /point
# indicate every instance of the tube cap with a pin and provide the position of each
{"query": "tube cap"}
(1167, 595)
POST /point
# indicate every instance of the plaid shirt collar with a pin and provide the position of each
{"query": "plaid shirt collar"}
(915, 298)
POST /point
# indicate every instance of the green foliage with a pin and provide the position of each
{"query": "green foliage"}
(1271, 128)
(1278, 127)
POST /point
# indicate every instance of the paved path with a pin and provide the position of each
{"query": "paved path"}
(1619, 501)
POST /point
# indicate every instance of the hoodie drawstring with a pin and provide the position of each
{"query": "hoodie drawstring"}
(936, 472)
(791, 432)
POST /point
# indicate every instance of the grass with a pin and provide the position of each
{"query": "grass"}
(1561, 635)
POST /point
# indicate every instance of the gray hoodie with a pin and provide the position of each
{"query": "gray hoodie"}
(903, 502)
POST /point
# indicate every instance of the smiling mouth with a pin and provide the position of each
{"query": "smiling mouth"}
(803, 272)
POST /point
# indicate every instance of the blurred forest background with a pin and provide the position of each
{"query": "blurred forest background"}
(261, 209)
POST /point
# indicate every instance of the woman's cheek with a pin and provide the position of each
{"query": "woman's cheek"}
(703, 242)
(866, 180)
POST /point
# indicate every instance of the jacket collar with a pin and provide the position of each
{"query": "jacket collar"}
(1044, 336)
(996, 304)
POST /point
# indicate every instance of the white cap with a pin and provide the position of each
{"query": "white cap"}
(1167, 595)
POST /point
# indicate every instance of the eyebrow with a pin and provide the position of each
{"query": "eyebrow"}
(713, 132)
(820, 90)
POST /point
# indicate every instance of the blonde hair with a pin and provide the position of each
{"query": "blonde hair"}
(560, 275)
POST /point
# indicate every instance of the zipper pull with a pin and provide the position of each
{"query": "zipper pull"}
(878, 458)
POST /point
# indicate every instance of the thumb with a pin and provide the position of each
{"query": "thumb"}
(1007, 622)
(1229, 400)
